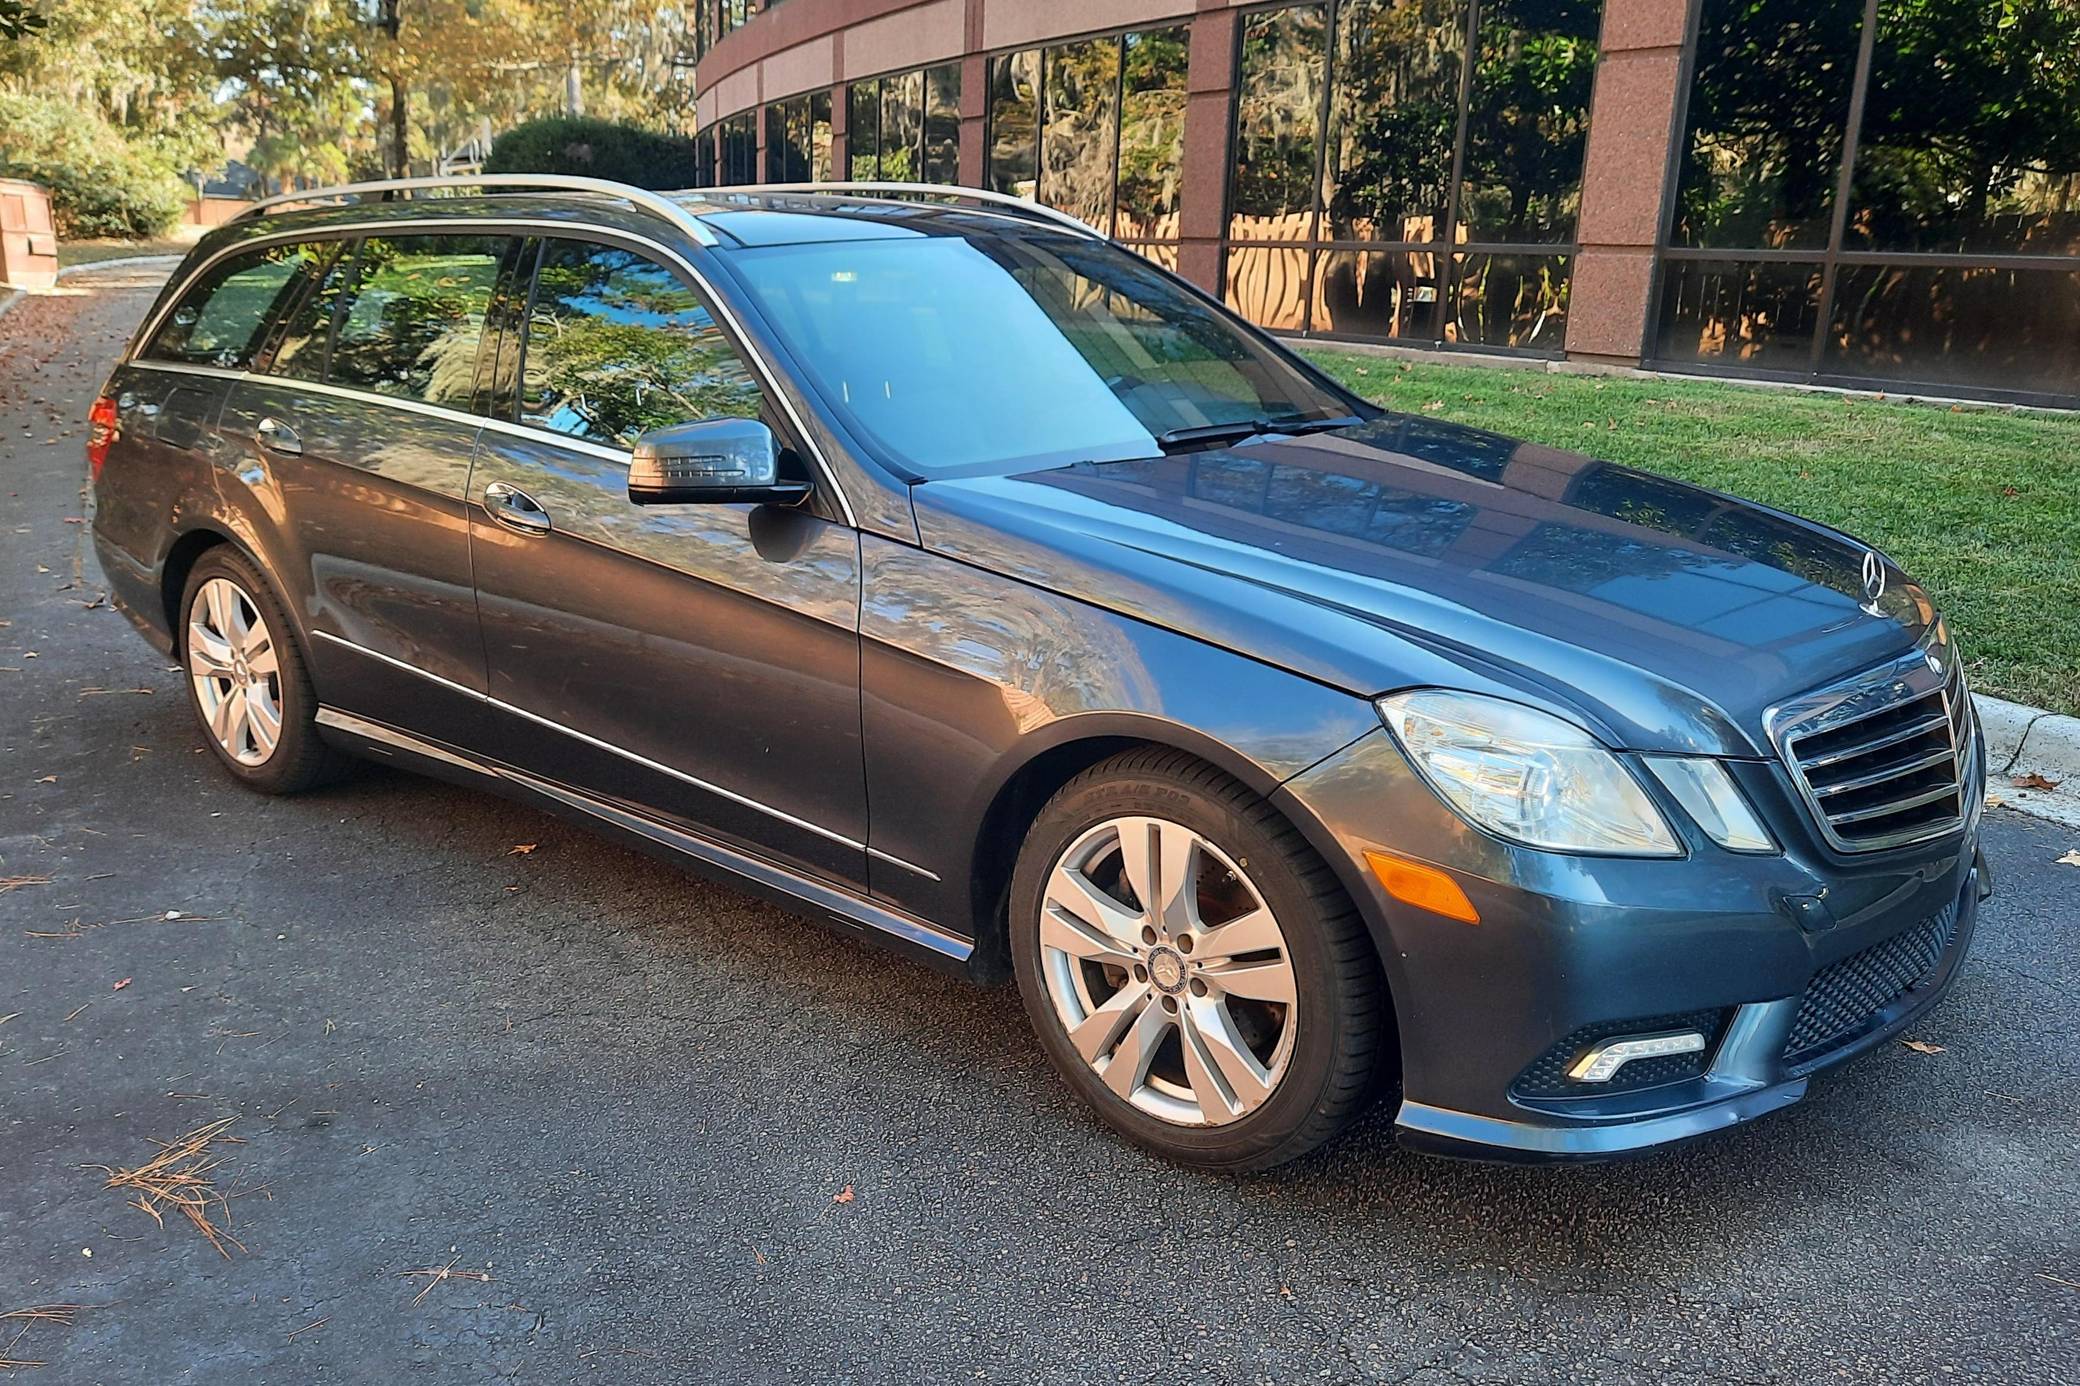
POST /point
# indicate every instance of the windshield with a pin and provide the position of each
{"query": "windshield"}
(960, 356)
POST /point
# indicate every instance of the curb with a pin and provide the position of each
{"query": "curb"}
(2023, 740)
(120, 263)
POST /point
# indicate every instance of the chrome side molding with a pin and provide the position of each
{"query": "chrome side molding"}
(854, 909)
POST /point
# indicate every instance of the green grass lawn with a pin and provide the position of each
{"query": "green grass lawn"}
(1982, 506)
(93, 252)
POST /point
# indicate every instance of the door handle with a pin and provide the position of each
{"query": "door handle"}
(515, 509)
(276, 436)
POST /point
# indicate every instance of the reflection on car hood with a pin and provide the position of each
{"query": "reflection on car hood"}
(1411, 551)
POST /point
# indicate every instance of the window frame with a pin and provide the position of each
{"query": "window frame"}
(1829, 259)
(1451, 254)
(287, 302)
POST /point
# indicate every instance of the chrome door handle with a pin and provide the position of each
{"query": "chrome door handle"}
(515, 509)
(276, 436)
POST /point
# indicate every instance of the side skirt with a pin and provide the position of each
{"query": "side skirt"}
(906, 932)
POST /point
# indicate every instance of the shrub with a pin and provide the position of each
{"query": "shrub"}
(592, 148)
(100, 183)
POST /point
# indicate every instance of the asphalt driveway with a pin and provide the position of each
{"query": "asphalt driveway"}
(660, 1132)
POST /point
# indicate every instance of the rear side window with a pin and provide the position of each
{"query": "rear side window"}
(299, 354)
(617, 345)
(223, 317)
(412, 321)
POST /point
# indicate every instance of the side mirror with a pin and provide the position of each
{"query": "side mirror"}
(710, 460)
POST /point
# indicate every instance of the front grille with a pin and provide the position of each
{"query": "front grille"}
(1844, 996)
(1883, 764)
(1547, 1075)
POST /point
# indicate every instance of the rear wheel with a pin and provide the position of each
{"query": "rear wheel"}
(247, 680)
(1192, 967)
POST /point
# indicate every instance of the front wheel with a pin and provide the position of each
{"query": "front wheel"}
(1192, 967)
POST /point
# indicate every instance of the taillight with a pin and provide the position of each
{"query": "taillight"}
(101, 431)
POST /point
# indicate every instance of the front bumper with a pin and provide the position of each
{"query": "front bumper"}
(1790, 963)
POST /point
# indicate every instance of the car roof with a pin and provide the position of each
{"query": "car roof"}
(735, 219)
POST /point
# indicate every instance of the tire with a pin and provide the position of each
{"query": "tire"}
(1153, 1034)
(274, 746)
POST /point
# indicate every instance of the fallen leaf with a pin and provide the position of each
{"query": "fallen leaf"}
(1994, 801)
(843, 1195)
(120, 985)
(2069, 859)
(2033, 780)
(1922, 1046)
(522, 849)
(48, 779)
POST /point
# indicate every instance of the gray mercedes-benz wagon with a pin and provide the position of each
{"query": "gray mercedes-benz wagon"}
(925, 561)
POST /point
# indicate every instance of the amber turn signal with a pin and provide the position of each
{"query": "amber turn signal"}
(1425, 887)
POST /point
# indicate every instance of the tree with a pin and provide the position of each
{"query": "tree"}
(17, 20)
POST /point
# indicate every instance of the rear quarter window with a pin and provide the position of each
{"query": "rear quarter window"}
(222, 318)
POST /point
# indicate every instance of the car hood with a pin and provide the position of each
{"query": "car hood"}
(1409, 552)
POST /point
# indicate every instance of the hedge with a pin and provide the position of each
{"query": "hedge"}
(100, 183)
(593, 148)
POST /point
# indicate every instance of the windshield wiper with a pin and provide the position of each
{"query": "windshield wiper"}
(1203, 435)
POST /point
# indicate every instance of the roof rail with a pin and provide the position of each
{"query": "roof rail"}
(898, 191)
(656, 202)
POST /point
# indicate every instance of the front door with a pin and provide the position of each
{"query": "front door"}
(700, 662)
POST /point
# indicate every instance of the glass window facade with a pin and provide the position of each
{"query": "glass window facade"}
(1411, 169)
(736, 149)
(1883, 190)
(798, 139)
(1096, 128)
(905, 127)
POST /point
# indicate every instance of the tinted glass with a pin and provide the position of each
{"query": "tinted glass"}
(1389, 293)
(414, 318)
(942, 124)
(1514, 301)
(953, 354)
(1756, 315)
(1014, 115)
(1767, 108)
(1394, 118)
(902, 128)
(1151, 133)
(1972, 325)
(863, 129)
(223, 318)
(617, 345)
(299, 354)
(1971, 130)
(1079, 127)
(820, 136)
(1278, 124)
(1527, 126)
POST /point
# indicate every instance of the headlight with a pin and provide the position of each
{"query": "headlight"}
(1709, 795)
(1525, 775)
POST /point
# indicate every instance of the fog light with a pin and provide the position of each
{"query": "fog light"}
(1602, 1062)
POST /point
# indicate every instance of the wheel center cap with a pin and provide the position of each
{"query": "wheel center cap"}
(1166, 970)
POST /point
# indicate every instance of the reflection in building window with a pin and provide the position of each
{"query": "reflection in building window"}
(1096, 128)
(905, 128)
(1968, 159)
(1431, 192)
(798, 139)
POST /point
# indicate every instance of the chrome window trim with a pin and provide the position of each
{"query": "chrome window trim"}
(608, 746)
(569, 230)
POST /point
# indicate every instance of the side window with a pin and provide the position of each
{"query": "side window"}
(617, 345)
(415, 315)
(299, 354)
(223, 317)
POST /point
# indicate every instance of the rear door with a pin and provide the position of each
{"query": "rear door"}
(359, 419)
(701, 661)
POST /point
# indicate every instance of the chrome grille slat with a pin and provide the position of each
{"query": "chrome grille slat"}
(1864, 815)
(1881, 759)
(1933, 722)
(1892, 771)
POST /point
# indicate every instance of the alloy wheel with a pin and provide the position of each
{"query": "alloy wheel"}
(236, 671)
(1167, 971)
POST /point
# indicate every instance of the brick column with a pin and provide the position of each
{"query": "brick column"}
(1625, 182)
(1209, 91)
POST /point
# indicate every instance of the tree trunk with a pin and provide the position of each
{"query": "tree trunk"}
(400, 127)
(573, 90)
